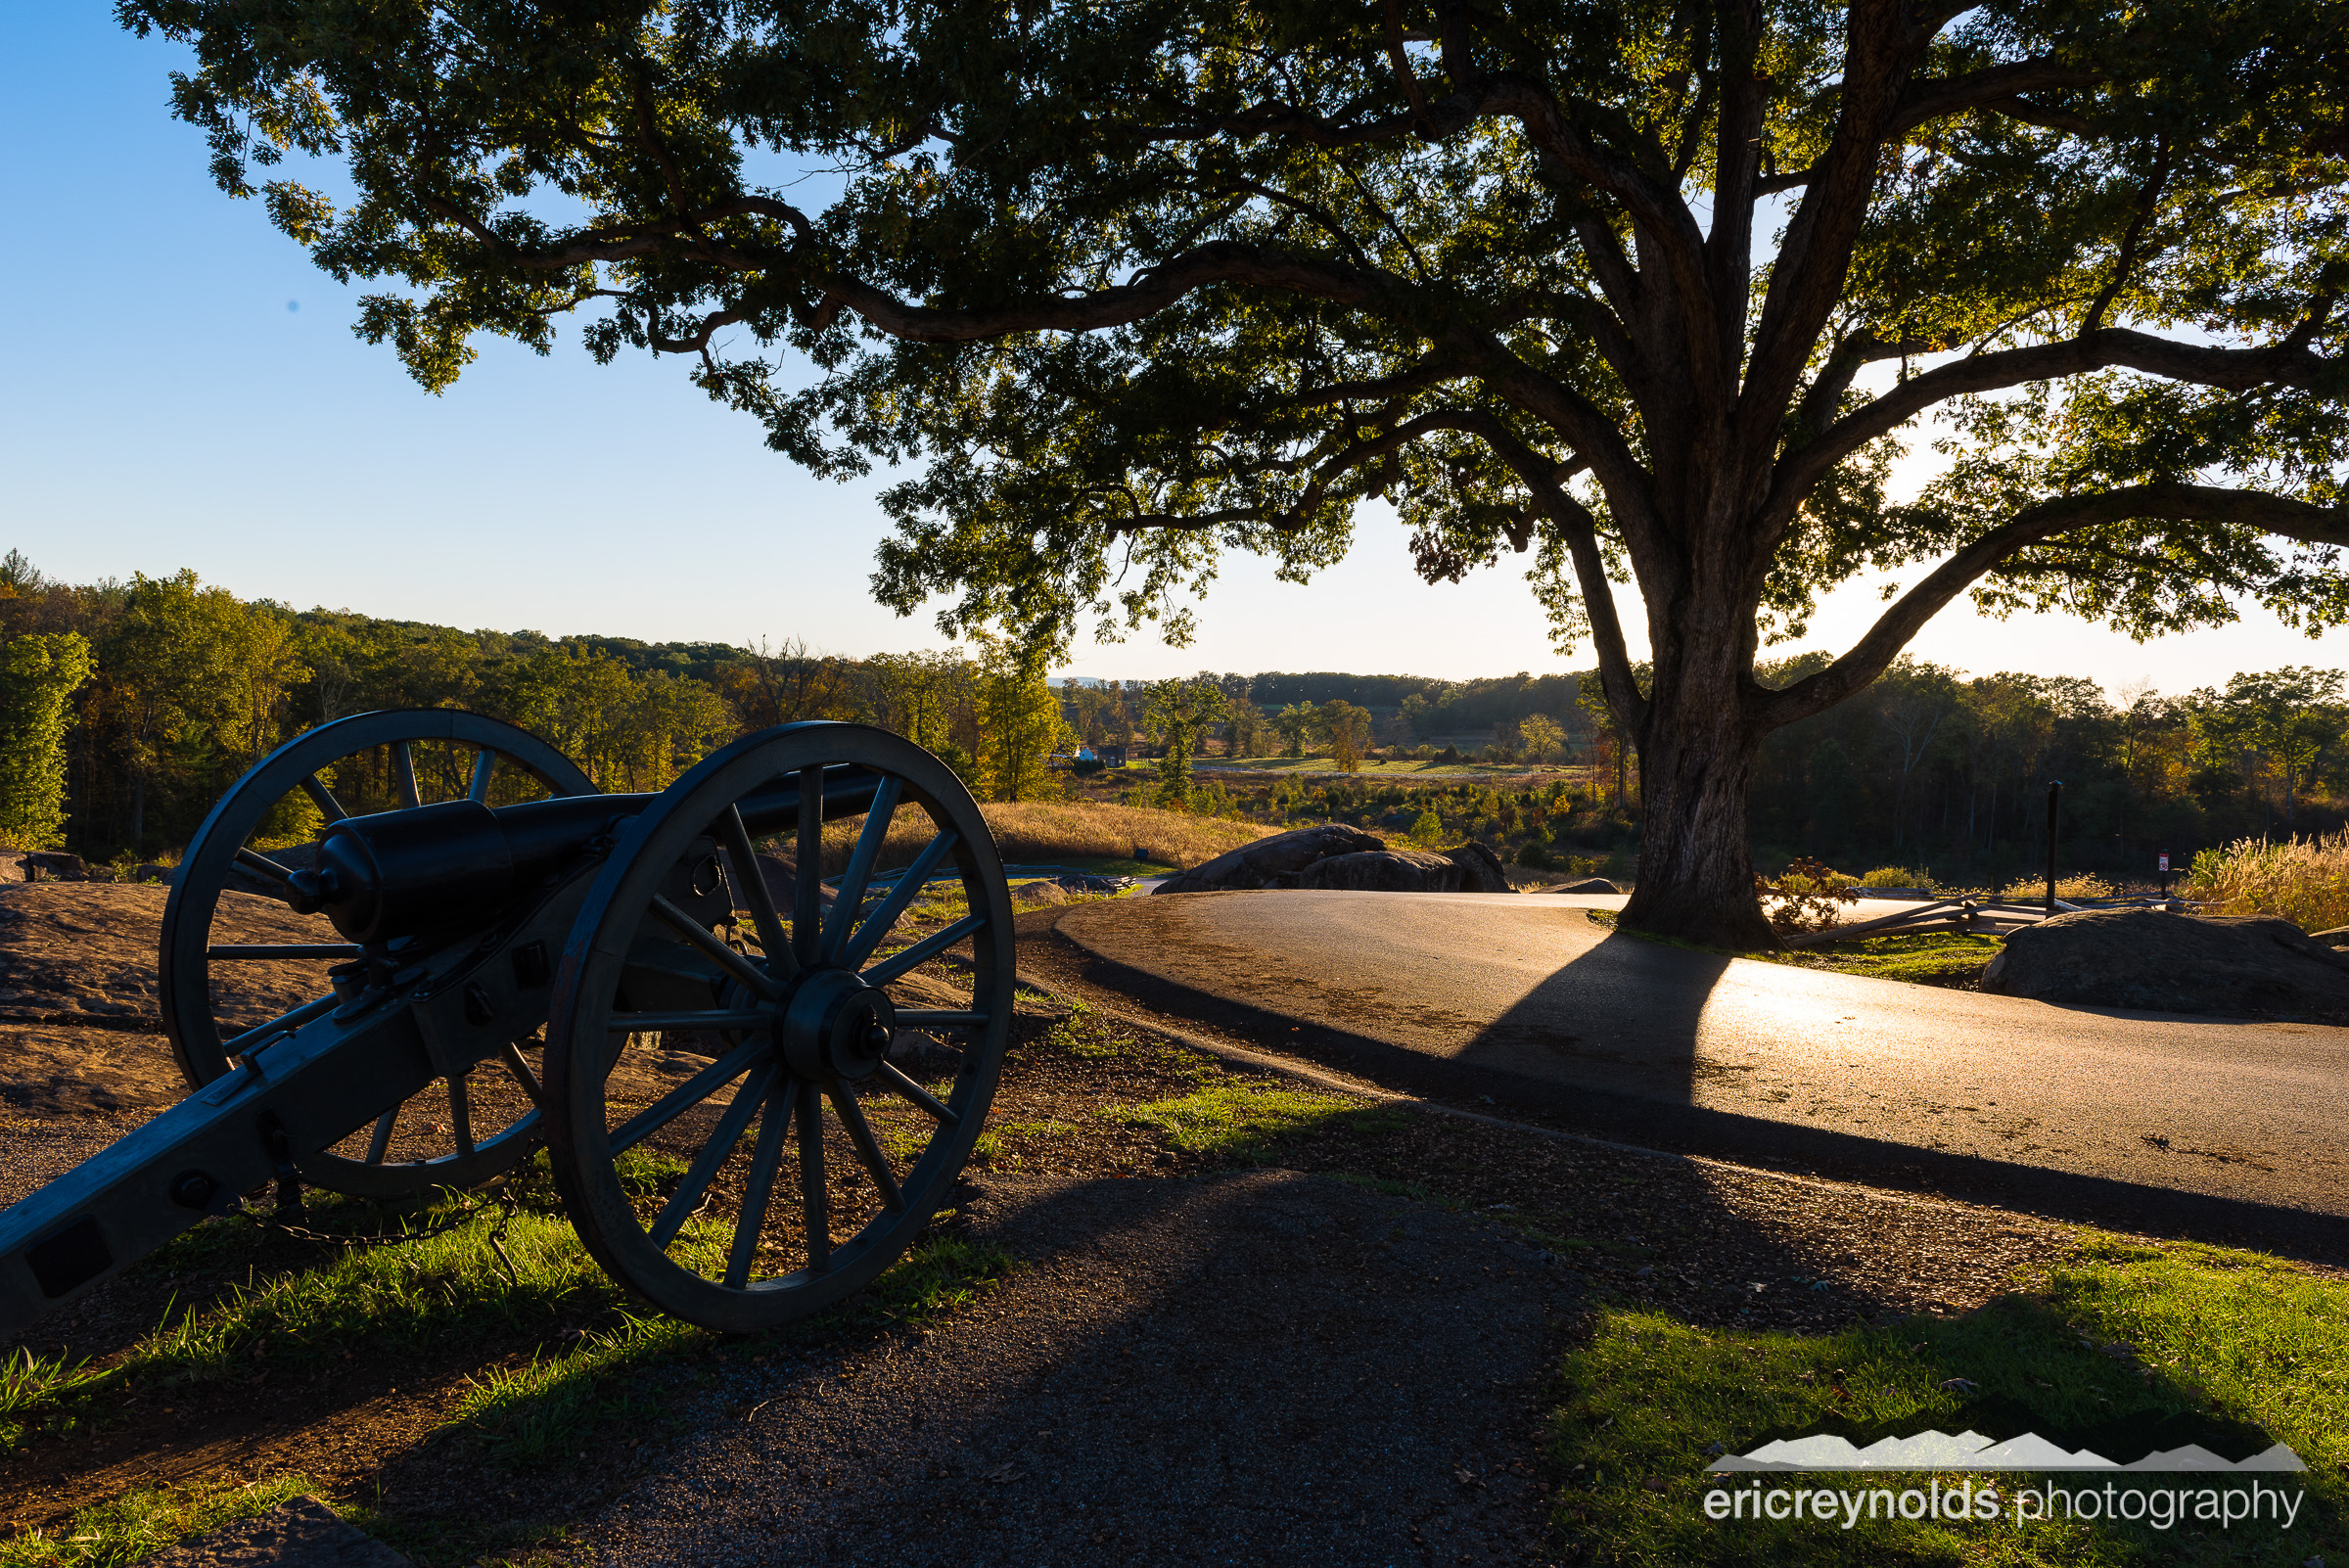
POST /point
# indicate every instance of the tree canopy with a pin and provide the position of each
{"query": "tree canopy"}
(1613, 285)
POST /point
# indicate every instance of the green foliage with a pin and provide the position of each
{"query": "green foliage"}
(1140, 287)
(1178, 712)
(146, 1520)
(1019, 721)
(37, 675)
(2124, 1347)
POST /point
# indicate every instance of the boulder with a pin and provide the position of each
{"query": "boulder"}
(1036, 894)
(53, 865)
(2162, 962)
(782, 886)
(1583, 885)
(1470, 868)
(1260, 865)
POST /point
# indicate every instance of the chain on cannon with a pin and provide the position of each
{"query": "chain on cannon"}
(503, 917)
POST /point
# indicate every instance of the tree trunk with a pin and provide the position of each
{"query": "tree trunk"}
(1696, 864)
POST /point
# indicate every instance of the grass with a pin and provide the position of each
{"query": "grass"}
(1924, 957)
(540, 1411)
(1063, 832)
(2124, 1347)
(1241, 1119)
(145, 1521)
(2306, 881)
(434, 1290)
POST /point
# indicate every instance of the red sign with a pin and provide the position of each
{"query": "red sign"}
(2165, 862)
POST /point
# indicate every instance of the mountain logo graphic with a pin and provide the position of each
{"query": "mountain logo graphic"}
(1971, 1451)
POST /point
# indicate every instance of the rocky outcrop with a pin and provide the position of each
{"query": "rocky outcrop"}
(1470, 868)
(2161, 962)
(1260, 864)
(53, 865)
(1584, 885)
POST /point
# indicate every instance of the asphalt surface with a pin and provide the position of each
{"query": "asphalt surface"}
(2236, 1127)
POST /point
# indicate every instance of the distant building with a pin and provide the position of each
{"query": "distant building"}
(1111, 755)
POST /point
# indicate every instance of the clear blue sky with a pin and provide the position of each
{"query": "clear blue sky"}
(182, 388)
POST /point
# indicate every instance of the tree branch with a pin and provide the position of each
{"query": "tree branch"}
(1875, 652)
(2136, 228)
(2109, 348)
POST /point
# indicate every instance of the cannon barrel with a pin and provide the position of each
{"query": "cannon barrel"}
(448, 869)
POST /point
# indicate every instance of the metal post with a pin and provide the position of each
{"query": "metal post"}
(2054, 801)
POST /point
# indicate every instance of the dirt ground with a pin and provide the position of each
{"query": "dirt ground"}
(1333, 1350)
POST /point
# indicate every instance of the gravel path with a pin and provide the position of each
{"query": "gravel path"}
(1255, 1367)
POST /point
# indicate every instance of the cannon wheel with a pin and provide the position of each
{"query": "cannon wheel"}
(219, 858)
(798, 1037)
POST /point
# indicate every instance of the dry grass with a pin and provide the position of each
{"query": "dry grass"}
(1044, 831)
(2304, 880)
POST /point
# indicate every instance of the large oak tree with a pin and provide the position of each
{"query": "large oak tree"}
(1650, 290)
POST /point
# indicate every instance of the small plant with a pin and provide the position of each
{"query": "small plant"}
(1899, 876)
(1809, 896)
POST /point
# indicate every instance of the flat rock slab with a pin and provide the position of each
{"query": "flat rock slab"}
(1262, 1366)
(300, 1534)
(2151, 959)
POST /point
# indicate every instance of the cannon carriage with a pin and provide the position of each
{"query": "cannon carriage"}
(510, 948)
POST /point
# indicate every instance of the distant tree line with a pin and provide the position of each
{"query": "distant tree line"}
(126, 707)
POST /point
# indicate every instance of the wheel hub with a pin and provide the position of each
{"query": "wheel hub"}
(833, 1025)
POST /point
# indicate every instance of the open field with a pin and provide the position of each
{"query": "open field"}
(1036, 832)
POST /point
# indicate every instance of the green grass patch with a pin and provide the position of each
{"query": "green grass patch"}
(145, 1521)
(2122, 1349)
(475, 1281)
(543, 1409)
(1925, 957)
(1240, 1119)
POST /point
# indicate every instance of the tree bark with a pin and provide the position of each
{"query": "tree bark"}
(1697, 865)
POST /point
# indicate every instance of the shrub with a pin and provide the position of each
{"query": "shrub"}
(1808, 897)
(2080, 885)
(1897, 876)
(2306, 881)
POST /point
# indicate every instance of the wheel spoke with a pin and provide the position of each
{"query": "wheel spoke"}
(283, 950)
(403, 774)
(850, 896)
(905, 1087)
(751, 881)
(460, 1114)
(382, 1140)
(485, 764)
(654, 1023)
(814, 1212)
(759, 1185)
(255, 861)
(519, 1067)
(324, 799)
(936, 1018)
(688, 1196)
(686, 1095)
(922, 952)
(725, 957)
(910, 885)
(807, 877)
(868, 1147)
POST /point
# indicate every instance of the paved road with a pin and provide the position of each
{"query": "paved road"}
(1525, 1000)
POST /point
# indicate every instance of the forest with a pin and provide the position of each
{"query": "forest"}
(126, 707)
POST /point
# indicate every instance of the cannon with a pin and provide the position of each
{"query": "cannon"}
(628, 980)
